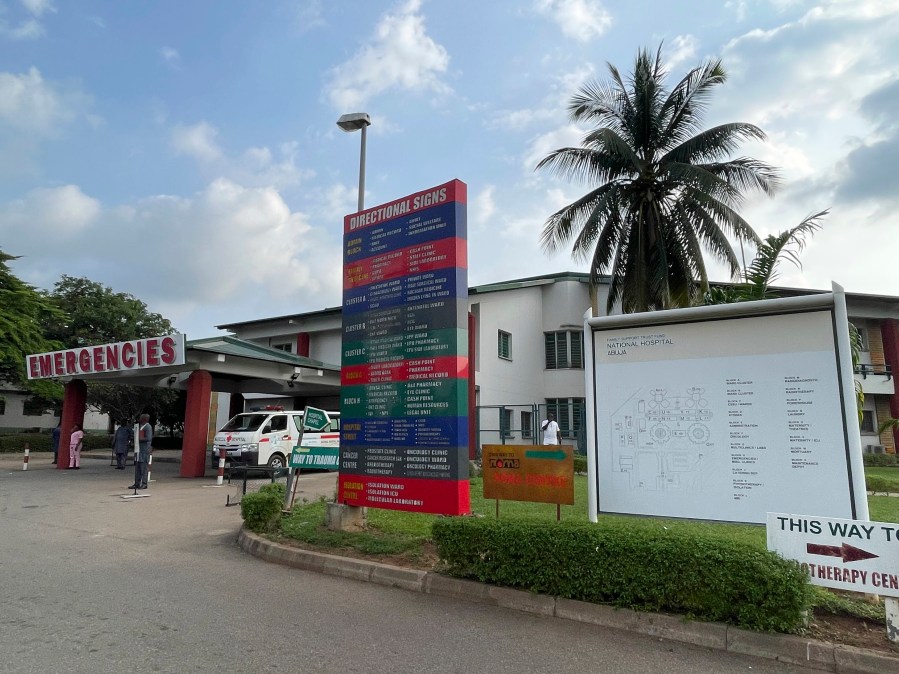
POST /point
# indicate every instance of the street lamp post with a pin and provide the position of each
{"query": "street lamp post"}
(340, 516)
(356, 121)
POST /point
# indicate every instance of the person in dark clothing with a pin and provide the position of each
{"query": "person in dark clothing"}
(142, 458)
(121, 442)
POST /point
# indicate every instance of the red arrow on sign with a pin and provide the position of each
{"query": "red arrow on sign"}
(848, 552)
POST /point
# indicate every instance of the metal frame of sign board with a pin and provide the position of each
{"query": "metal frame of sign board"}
(835, 302)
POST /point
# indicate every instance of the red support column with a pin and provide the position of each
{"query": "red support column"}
(472, 410)
(303, 344)
(889, 330)
(196, 424)
(74, 404)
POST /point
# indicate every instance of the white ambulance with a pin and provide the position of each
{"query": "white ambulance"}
(266, 437)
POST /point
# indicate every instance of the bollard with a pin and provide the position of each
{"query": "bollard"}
(27, 451)
(221, 474)
(891, 605)
(149, 467)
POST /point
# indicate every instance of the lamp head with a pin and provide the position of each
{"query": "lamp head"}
(354, 121)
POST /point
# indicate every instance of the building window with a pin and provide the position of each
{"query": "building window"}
(505, 422)
(33, 408)
(527, 424)
(283, 347)
(504, 345)
(564, 349)
(868, 425)
(569, 414)
(2, 405)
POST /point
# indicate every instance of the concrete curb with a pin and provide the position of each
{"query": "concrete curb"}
(781, 647)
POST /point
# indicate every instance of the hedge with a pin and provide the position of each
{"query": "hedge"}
(40, 442)
(879, 484)
(880, 460)
(637, 564)
(262, 510)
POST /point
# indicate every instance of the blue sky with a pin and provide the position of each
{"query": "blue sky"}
(187, 152)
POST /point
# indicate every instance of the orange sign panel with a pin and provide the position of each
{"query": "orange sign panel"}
(538, 473)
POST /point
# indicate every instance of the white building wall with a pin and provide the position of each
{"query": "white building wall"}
(520, 379)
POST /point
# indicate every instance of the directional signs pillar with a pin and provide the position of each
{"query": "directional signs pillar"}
(404, 374)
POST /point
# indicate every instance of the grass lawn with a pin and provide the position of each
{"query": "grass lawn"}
(397, 536)
(394, 531)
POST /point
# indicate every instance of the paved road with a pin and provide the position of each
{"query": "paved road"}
(95, 583)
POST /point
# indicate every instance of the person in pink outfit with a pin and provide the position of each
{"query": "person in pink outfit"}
(75, 444)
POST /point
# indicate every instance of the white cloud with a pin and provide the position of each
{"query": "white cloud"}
(683, 49)
(581, 19)
(482, 207)
(400, 55)
(29, 103)
(309, 15)
(197, 141)
(227, 252)
(50, 214)
(38, 7)
(29, 28)
(256, 166)
(171, 56)
(566, 136)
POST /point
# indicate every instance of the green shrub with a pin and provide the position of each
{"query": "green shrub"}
(879, 484)
(279, 489)
(580, 464)
(643, 565)
(14, 443)
(97, 441)
(262, 510)
(879, 460)
(40, 442)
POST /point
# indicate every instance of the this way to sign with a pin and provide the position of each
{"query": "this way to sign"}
(843, 554)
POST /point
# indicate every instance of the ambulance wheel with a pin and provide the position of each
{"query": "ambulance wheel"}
(277, 461)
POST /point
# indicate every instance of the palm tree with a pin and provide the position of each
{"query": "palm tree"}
(762, 271)
(665, 190)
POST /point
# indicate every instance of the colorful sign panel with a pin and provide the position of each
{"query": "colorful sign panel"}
(404, 393)
(136, 354)
(536, 473)
(852, 555)
(315, 457)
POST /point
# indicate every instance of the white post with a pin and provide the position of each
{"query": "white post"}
(892, 609)
(220, 478)
(27, 451)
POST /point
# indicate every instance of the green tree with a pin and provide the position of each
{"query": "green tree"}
(762, 271)
(664, 190)
(96, 314)
(23, 313)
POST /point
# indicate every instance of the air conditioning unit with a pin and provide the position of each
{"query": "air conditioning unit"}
(875, 449)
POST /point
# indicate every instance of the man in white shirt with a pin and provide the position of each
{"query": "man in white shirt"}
(552, 435)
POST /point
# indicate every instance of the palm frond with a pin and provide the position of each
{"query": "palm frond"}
(763, 269)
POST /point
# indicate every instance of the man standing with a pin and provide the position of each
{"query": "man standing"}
(552, 435)
(142, 457)
(120, 443)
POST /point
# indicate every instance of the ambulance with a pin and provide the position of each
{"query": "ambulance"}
(266, 437)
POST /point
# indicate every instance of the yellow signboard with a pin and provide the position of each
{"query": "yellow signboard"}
(538, 473)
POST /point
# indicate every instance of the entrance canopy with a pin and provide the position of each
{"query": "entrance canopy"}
(235, 366)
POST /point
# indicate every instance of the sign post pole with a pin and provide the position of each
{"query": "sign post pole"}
(892, 610)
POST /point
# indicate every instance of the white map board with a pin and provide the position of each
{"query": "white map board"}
(725, 419)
